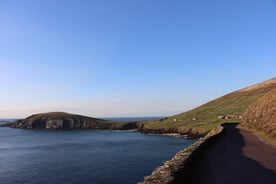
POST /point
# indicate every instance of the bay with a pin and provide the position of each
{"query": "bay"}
(82, 157)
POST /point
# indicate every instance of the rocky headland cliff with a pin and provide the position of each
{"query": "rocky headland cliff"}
(66, 121)
(260, 117)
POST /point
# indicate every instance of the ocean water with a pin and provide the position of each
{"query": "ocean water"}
(82, 157)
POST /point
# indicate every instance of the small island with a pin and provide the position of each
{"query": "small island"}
(66, 121)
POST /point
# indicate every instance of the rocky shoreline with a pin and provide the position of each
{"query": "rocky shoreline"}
(171, 131)
(65, 121)
(134, 126)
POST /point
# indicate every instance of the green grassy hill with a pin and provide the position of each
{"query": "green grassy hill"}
(201, 120)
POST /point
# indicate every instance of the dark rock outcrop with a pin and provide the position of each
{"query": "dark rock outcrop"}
(65, 121)
(260, 117)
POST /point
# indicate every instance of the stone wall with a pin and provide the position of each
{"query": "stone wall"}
(180, 163)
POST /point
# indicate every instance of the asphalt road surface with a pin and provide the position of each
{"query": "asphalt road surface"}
(238, 157)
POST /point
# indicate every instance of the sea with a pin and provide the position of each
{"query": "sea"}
(82, 156)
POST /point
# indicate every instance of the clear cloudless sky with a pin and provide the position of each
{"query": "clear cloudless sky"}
(128, 57)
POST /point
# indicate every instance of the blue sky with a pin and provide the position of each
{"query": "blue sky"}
(130, 58)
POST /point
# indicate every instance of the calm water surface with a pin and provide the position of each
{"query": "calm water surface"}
(82, 157)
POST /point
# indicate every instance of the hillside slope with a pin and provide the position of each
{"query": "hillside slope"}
(65, 121)
(201, 120)
(260, 117)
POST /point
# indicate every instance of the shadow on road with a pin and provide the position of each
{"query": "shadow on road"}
(223, 161)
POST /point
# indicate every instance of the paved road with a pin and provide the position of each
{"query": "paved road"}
(238, 157)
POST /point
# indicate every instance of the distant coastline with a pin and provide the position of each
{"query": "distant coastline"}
(132, 119)
(113, 119)
(7, 120)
